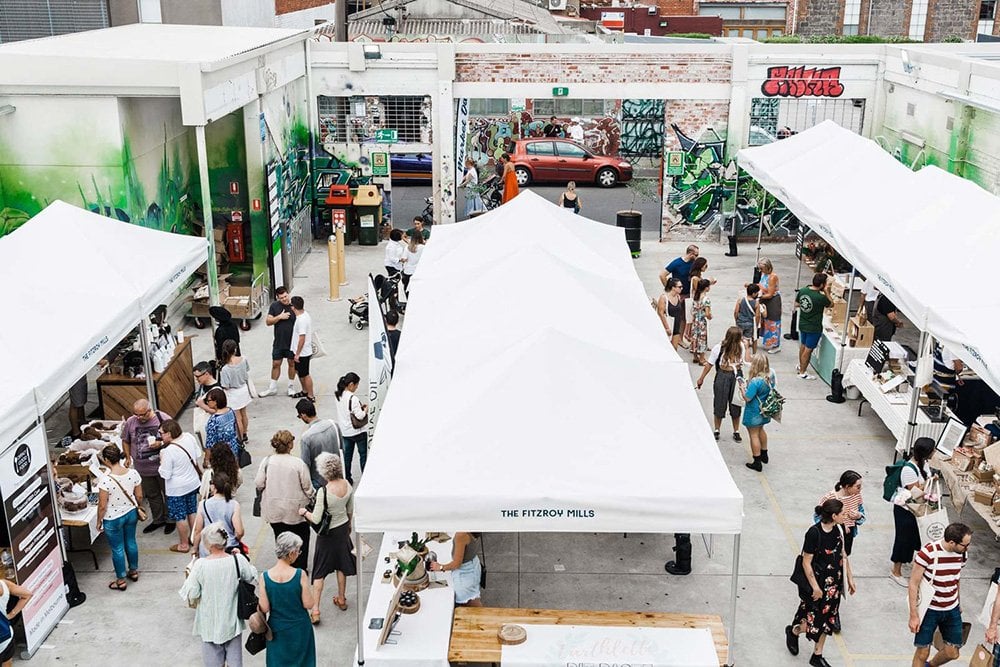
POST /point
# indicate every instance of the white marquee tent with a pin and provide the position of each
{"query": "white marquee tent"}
(898, 228)
(535, 390)
(79, 282)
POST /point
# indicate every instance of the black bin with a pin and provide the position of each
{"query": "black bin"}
(632, 222)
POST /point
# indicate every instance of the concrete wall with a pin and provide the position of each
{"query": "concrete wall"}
(194, 12)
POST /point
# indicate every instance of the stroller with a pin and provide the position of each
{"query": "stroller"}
(387, 293)
(358, 309)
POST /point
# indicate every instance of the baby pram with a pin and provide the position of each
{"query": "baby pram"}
(358, 309)
(387, 293)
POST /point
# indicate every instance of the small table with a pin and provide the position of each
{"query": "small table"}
(824, 357)
(85, 518)
(474, 630)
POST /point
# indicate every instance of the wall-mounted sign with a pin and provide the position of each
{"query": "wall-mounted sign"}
(560, 92)
(802, 82)
(386, 136)
(236, 216)
(380, 164)
(675, 163)
(255, 206)
(234, 187)
(613, 20)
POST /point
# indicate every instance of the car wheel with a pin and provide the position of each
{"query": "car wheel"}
(523, 176)
(607, 178)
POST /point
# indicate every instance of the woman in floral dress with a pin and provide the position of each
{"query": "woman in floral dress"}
(824, 565)
(770, 299)
(701, 313)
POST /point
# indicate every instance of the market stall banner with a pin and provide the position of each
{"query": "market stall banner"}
(379, 357)
(579, 646)
(31, 524)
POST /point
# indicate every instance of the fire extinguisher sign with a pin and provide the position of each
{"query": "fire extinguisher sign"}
(237, 216)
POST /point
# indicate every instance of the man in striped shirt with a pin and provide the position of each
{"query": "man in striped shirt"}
(939, 564)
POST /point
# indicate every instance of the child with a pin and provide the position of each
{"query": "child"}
(701, 313)
(747, 315)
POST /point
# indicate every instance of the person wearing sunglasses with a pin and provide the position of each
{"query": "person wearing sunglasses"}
(939, 564)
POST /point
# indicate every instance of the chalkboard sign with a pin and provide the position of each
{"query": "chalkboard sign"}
(877, 356)
(800, 239)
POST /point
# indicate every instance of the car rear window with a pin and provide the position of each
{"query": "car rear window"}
(540, 148)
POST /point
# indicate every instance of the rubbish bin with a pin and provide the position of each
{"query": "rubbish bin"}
(338, 206)
(368, 204)
(632, 222)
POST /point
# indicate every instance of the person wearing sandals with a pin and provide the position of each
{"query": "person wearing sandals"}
(759, 382)
(221, 426)
(727, 358)
(182, 479)
(824, 563)
(334, 547)
(211, 589)
(906, 539)
(467, 568)
(234, 376)
(848, 491)
(286, 596)
(285, 487)
(670, 308)
(7, 588)
(119, 499)
(302, 347)
(770, 299)
(220, 509)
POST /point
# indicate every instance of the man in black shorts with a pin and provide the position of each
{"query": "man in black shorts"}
(303, 347)
(282, 318)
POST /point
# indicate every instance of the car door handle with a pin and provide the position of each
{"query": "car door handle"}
(534, 159)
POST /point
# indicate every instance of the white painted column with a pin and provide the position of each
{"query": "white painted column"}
(444, 137)
(738, 128)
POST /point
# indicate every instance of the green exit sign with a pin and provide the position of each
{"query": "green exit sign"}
(560, 92)
(386, 136)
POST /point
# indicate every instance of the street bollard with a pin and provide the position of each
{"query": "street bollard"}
(341, 268)
(331, 251)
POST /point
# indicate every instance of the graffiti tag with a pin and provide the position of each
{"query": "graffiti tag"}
(802, 82)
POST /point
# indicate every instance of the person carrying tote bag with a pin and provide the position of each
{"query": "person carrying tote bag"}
(932, 523)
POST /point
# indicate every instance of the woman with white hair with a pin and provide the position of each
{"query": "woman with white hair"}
(334, 507)
(211, 590)
(285, 595)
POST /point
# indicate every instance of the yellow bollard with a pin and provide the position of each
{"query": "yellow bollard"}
(331, 251)
(341, 267)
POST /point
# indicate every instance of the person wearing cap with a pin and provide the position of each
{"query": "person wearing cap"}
(211, 589)
(321, 435)
(576, 131)
(225, 329)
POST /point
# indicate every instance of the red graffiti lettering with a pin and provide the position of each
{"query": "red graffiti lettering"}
(802, 82)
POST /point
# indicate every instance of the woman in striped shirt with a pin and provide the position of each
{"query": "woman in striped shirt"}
(848, 491)
(939, 564)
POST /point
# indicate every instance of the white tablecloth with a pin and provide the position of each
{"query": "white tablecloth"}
(420, 639)
(893, 407)
(551, 645)
(87, 516)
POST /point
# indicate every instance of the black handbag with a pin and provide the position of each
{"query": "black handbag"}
(256, 643)
(243, 457)
(799, 579)
(323, 527)
(246, 594)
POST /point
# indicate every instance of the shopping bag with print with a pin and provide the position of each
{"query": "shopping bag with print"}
(981, 657)
(932, 524)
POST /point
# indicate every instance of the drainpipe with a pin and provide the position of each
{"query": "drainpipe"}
(795, 15)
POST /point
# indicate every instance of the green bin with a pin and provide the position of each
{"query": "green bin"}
(368, 207)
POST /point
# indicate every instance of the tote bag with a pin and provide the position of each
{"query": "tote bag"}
(926, 592)
(932, 524)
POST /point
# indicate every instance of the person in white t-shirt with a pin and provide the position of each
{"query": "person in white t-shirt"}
(394, 252)
(302, 347)
(182, 479)
(354, 436)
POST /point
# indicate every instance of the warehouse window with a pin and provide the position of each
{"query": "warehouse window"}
(769, 116)
(918, 19)
(563, 107)
(355, 119)
(987, 13)
(489, 107)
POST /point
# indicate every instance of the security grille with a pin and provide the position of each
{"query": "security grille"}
(571, 107)
(356, 119)
(32, 19)
(769, 116)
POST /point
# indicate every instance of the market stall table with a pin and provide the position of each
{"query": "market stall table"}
(420, 639)
(960, 486)
(474, 630)
(892, 407)
(824, 357)
(83, 519)
(174, 387)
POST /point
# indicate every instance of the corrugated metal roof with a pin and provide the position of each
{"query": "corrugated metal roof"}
(483, 28)
(505, 10)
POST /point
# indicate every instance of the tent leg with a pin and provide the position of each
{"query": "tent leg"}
(147, 364)
(359, 605)
(709, 542)
(847, 318)
(911, 422)
(732, 600)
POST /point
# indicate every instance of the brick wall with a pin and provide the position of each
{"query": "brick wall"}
(676, 7)
(289, 6)
(951, 18)
(889, 17)
(590, 68)
(820, 17)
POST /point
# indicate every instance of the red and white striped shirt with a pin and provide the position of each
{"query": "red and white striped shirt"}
(851, 505)
(942, 575)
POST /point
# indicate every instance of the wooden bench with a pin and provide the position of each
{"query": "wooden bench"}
(474, 629)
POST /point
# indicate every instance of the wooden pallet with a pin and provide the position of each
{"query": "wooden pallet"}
(474, 629)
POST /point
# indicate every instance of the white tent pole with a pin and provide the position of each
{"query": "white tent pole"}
(359, 605)
(732, 598)
(760, 227)
(147, 364)
(847, 318)
(911, 422)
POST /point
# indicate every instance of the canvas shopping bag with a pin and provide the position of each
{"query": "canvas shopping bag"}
(319, 350)
(932, 524)
(926, 592)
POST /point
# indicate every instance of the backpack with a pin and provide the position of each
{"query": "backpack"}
(893, 478)
(772, 404)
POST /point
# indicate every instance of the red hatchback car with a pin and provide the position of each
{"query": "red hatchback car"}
(562, 160)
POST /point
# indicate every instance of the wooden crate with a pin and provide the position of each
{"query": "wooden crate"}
(860, 335)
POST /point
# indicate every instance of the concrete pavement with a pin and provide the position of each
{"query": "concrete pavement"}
(816, 441)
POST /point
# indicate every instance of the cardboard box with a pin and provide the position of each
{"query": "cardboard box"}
(961, 462)
(978, 437)
(996, 506)
(837, 312)
(858, 334)
(983, 493)
(984, 476)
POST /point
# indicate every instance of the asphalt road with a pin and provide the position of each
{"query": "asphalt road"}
(598, 203)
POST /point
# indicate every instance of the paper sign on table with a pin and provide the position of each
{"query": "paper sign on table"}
(573, 645)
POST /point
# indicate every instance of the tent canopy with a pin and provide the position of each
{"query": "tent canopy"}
(897, 227)
(535, 390)
(84, 282)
